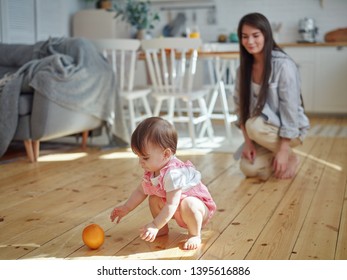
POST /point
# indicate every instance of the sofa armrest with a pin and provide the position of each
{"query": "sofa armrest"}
(50, 120)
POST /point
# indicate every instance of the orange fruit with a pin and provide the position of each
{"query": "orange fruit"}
(93, 236)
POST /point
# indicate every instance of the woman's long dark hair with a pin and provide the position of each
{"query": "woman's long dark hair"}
(260, 22)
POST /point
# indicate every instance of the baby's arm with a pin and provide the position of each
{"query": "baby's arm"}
(173, 199)
(149, 231)
(133, 201)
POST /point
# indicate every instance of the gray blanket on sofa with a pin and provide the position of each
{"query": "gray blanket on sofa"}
(68, 71)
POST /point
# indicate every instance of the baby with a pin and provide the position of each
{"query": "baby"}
(174, 188)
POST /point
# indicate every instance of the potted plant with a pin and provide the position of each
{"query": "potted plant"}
(101, 4)
(138, 14)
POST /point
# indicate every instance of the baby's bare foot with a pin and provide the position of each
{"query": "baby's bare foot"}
(192, 243)
(163, 231)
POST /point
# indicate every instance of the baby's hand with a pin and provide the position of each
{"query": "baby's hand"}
(119, 212)
(149, 232)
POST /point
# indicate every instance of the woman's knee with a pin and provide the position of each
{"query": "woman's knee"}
(261, 167)
(247, 168)
(253, 127)
(264, 134)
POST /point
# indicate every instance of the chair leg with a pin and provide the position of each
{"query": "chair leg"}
(191, 126)
(29, 150)
(227, 117)
(147, 107)
(85, 138)
(207, 124)
(171, 109)
(131, 115)
(157, 107)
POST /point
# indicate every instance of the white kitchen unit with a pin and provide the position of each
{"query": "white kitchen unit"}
(99, 24)
(29, 21)
(324, 77)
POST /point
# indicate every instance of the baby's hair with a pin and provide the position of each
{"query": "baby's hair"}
(156, 131)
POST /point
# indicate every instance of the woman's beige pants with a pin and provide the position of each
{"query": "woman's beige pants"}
(266, 139)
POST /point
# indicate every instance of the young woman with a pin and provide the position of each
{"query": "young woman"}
(174, 187)
(268, 102)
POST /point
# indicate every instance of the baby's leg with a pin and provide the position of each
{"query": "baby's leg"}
(155, 205)
(194, 213)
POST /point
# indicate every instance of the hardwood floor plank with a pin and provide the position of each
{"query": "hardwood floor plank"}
(46, 212)
(240, 235)
(341, 247)
(47, 181)
(51, 225)
(319, 233)
(232, 193)
(279, 235)
(74, 181)
(164, 247)
(49, 198)
(45, 206)
(59, 158)
(70, 244)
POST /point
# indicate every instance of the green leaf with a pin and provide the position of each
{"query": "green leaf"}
(137, 13)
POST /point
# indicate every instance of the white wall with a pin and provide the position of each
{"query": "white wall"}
(329, 15)
(28, 21)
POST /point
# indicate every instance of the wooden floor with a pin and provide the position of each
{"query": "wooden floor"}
(45, 206)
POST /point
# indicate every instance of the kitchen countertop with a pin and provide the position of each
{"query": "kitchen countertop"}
(318, 44)
(234, 47)
(231, 50)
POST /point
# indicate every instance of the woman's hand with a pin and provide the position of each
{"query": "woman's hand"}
(119, 212)
(281, 160)
(149, 232)
(249, 151)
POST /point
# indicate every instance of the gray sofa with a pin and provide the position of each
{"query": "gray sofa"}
(55, 88)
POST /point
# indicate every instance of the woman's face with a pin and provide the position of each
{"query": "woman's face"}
(252, 39)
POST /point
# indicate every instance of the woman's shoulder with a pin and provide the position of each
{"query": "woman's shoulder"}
(281, 59)
(280, 55)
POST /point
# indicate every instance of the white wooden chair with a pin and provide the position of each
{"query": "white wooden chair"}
(171, 64)
(122, 54)
(222, 75)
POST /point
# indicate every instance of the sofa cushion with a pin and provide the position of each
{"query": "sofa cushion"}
(23, 128)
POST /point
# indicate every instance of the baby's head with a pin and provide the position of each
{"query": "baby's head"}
(156, 131)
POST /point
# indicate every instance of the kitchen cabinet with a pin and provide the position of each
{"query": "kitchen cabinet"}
(98, 24)
(324, 80)
(29, 21)
(305, 58)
